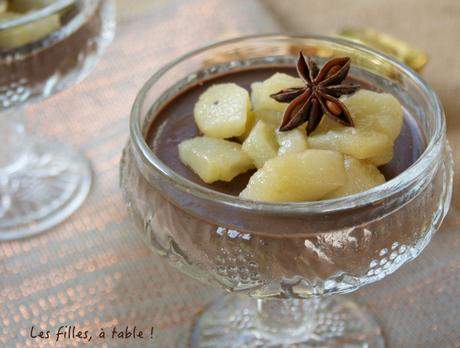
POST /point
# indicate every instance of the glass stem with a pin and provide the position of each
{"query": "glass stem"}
(286, 319)
(14, 142)
(13, 152)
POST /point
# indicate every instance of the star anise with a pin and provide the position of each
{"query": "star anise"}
(319, 96)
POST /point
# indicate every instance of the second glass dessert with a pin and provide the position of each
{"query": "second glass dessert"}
(45, 46)
(286, 257)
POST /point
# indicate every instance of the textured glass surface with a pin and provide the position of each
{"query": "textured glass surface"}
(41, 68)
(43, 182)
(291, 250)
(299, 266)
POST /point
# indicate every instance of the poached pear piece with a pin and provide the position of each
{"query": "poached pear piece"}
(260, 111)
(358, 143)
(250, 122)
(262, 91)
(222, 111)
(378, 119)
(381, 112)
(261, 144)
(291, 141)
(360, 176)
(297, 177)
(214, 159)
(29, 32)
(266, 108)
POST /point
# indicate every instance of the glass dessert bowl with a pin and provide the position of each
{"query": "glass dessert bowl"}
(286, 258)
(45, 46)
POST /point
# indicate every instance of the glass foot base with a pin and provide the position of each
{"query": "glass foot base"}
(51, 184)
(233, 322)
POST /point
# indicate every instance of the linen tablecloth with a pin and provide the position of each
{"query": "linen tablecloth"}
(93, 272)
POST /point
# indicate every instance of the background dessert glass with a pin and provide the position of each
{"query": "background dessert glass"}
(42, 182)
(287, 258)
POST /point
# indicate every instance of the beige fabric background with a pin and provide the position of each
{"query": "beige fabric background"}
(93, 272)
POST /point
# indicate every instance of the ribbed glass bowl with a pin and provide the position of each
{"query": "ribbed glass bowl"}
(291, 250)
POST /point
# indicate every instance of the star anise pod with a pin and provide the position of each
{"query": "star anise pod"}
(319, 96)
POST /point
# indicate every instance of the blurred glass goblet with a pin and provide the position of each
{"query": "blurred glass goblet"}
(287, 259)
(43, 51)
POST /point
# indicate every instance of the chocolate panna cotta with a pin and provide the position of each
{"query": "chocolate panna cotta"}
(212, 122)
(236, 133)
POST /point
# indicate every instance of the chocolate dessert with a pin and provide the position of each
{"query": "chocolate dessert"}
(287, 250)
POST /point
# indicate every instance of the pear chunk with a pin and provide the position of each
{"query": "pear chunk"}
(382, 159)
(378, 119)
(261, 113)
(370, 111)
(27, 33)
(269, 116)
(261, 144)
(326, 125)
(251, 121)
(222, 111)
(292, 141)
(256, 94)
(214, 159)
(353, 141)
(261, 91)
(379, 112)
(360, 176)
(296, 177)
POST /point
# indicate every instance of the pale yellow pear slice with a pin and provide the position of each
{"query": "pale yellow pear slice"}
(382, 159)
(261, 144)
(374, 111)
(214, 159)
(326, 125)
(378, 119)
(27, 33)
(355, 142)
(250, 122)
(371, 111)
(270, 116)
(222, 111)
(256, 95)
(297, 177)
(261, 113)
(261, 91)
(292, 141)
(360, 176)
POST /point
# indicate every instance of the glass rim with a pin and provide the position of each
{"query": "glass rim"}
(365, 198)
(36, 15)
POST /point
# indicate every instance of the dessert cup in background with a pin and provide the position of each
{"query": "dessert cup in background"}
(42, 52)
(286, 260)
